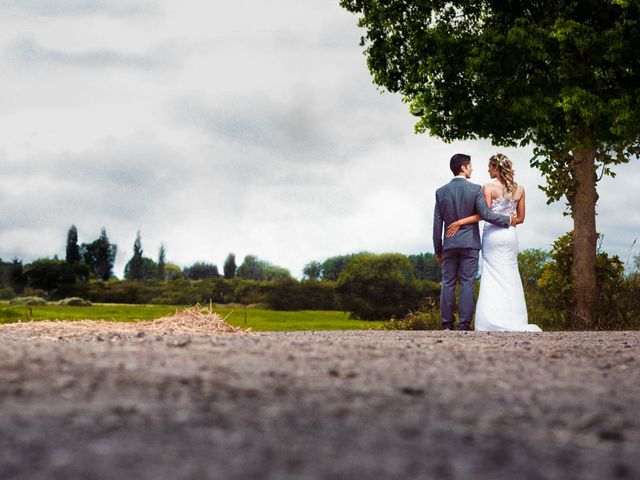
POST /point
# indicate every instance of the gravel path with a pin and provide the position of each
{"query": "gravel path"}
(321, 405)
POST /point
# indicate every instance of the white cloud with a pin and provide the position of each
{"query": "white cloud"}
(29, 52)
(78, 7)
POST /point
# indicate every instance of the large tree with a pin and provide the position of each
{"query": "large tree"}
(162, 262)
(332, 267)
(561, 75)
(230, 266)
(140, 267)
(133, 268)
(312, 270)
(73, 249)
(100, 255)
(253, 268)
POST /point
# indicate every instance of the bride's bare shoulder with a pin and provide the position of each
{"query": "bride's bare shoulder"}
(519, 192)
(491, 188)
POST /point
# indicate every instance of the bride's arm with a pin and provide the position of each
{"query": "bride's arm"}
(488, 194)
(520, 209)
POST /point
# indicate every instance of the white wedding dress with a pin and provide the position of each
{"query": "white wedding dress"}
(501, 306)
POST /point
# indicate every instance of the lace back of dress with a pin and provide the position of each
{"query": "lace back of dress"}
(503, 206)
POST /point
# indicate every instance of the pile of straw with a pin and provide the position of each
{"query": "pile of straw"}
(191, 321)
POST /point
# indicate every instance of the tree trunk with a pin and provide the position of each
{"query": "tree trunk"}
(585, 237)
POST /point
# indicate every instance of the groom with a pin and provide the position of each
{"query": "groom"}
(459, 254)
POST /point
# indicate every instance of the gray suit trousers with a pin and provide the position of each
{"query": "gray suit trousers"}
(458, 264)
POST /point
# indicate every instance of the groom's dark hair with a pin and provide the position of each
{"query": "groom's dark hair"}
(458, 161)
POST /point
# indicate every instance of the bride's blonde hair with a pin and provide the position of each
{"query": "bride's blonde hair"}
(505, 167)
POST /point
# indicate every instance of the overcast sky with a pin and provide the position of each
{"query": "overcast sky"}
(213, 126)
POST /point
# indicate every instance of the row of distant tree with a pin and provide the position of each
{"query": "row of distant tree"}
(143, 268)
(98, 257)
(95, 261)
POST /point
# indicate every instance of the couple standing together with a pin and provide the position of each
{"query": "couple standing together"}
(460, 205)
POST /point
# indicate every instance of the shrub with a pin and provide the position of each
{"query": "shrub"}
(429, 291)
(306, 295)
(629, 298)
(7, 293)
(29, 301)
(531, 264)
(33, 292)
(249, 292)
(10, 315)
(425, 318)
(555, 282)
(75, 302)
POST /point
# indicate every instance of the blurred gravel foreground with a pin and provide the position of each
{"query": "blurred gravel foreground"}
(320, 405)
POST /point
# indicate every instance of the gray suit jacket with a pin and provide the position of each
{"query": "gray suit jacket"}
(459, 199)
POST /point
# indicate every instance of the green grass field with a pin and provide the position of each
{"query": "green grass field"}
(257, 319)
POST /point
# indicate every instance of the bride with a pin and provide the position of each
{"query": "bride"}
(501, 305)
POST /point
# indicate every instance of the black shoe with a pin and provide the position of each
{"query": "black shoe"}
(464, 328)
(447, 326)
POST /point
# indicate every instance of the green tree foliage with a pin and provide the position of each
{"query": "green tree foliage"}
(253, 268)
(290, 294)
(7, 293)
(312, 270)
(162, 263)
(12, 275)
(73, 249)
(531, 264)
(51, 275)
(555, 282)
(15, 276)
(425, 318)
(173, 272)
(149, 269)
(332, 267)
(200, 270)
(274, 273)
(133, 268)
(564, 76)
(630, 297)
(248, 292)
(375, 287)
(140, 267)
(100, 256)
(425, 267)
(229, 268)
